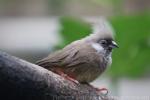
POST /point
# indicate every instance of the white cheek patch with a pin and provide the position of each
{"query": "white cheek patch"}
(97, 47)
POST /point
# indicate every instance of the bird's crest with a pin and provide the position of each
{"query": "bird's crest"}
(101, 29)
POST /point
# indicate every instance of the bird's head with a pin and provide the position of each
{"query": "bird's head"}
(104, 46)
(102, 38)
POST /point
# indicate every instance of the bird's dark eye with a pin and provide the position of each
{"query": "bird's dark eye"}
(103, 42)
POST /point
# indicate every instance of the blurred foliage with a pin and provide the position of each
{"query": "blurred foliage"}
(132, 35)
(73, 29)
(107, 2)
(56, 6)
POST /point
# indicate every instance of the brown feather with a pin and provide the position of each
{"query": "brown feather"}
(79, 59)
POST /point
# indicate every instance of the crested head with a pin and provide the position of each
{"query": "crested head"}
(102, 38)
(101, 30)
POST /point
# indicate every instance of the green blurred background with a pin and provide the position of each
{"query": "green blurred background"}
(31, 29)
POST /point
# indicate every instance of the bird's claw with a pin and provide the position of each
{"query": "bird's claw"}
(71, 79)
(61, 73)
(104, 91)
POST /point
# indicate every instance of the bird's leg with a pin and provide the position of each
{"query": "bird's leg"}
(71, 79)
(61, 73)
(102, 90)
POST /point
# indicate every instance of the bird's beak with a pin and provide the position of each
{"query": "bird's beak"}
(114, 45)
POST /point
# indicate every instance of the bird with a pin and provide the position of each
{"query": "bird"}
(85, 59)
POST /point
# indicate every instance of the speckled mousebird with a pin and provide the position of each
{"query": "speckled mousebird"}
(85, 59)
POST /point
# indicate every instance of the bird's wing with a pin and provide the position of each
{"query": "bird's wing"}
(59, 58)
(74, 54)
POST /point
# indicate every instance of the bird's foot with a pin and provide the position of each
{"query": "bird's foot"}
(61, 73)
(98, 90)
(102, 90)
(71, 79)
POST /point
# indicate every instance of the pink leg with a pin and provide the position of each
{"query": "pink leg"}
(61, 73)
(71, 79)
(102, 90)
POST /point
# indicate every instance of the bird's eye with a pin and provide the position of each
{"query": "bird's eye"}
(103, 42)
